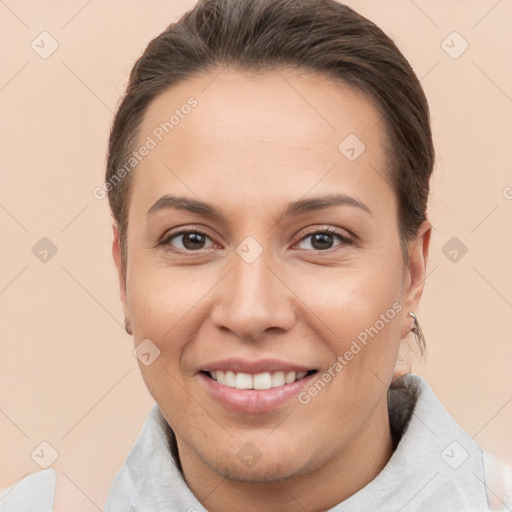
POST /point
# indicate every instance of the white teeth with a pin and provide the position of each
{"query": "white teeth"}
(264, 380)
(243, 381)
(278, 379)
(290, 377)
(230, 379)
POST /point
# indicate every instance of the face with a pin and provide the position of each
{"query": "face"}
(242, 274)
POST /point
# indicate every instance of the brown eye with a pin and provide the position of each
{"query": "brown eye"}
(324, 240)
(190, 240)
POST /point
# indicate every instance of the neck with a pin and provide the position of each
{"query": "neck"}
(317, 490)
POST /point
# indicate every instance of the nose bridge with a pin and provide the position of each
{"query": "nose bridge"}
(253, 299)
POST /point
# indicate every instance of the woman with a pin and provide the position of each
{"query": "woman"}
(268, 174)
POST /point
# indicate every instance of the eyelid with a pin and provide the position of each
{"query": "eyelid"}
(328, 229)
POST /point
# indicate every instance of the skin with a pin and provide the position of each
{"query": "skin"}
(250, 146)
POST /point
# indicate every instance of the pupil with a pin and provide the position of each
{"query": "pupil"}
(323, 238)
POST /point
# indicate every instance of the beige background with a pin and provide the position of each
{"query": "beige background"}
(68, 376)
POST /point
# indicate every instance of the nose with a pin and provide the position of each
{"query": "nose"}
(254, 299)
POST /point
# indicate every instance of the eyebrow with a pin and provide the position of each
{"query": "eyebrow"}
(294, 208)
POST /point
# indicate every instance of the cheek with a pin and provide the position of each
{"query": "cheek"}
(162, 301)
(349, 300)
(359, 311)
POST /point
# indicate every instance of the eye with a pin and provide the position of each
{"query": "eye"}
(194, 240)
(190, 240)
(323, 240)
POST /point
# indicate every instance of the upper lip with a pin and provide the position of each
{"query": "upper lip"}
(238, 365)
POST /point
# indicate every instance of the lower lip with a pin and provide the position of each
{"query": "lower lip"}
(253, 400)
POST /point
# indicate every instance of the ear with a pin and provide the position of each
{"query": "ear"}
(416, 273)
(118, 260)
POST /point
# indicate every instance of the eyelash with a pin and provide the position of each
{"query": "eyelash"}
(166, 241)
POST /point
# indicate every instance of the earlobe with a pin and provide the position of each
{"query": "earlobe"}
(127, 327)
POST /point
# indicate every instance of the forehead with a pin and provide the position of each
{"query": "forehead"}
(244, 136)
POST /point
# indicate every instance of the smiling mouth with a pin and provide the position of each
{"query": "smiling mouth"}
(259, 381)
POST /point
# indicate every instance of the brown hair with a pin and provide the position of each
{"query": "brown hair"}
(321, 36)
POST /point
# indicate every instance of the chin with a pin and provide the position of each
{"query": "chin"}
(241, 467)
(259, 474)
